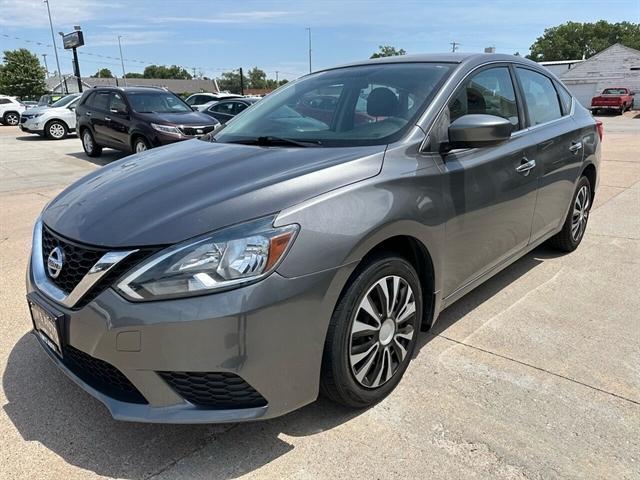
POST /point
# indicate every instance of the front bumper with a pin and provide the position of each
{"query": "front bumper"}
(32, 126)
(270, 334)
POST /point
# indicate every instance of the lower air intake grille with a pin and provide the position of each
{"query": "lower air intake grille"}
(101, 375)
(214, 390)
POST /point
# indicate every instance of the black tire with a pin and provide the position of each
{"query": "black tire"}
(89, 144)
(567, 240)
(11, 118)
(338, 379)
(56, 130)
(140, 144)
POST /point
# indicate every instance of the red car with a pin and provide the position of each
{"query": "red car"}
(619, 99)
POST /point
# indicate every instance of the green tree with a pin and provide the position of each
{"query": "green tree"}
(21, 74)
(387, 51)
(103, 73)
(160, 71)
(257, 78)
(134, 75)
(573, 40)
(230, 81)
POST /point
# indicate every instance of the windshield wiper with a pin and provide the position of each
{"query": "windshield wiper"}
(268, 140)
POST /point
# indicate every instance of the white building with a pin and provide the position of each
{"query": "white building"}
(616, 66)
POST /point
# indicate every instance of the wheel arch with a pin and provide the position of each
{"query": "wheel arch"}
(591, 173)
(418, 255)
(56, 119)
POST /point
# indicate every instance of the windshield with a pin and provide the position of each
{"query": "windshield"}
(363, 105)
(157, 102)
(63, 102)
(614, 91)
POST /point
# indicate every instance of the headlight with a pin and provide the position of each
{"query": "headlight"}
(166, 129)
(228, 258)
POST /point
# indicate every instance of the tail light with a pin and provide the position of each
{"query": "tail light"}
(600, 128)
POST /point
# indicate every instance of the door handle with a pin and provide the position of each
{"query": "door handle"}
(526, 166)
(107, 119)
(575, 147)
(88, 114)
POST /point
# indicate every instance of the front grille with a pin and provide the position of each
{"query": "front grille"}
(78, 260)
(191, 131)
(214, 390)
(101, 375)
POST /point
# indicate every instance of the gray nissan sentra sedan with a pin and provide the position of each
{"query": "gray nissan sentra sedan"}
(303, 247)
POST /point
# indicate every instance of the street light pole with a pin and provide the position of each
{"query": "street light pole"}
(124, 77)
(46, 67)
(55, 49)
(309, 30)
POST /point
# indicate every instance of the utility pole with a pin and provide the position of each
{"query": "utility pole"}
(194, 71)
(124, 76)
(241, 82)
(309, 30)
(55, 48)
(454, 46)
(277, 77)
(46, 67)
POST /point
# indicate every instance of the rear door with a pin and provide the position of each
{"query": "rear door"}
(96, 112)
(492, 198)
(559, 149)
(222, 111)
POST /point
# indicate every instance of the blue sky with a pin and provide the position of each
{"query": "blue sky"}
(214, 36)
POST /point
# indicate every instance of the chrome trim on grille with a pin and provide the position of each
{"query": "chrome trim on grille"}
(42, 282)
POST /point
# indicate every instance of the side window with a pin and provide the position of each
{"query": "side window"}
(540, 95)
(89, 100)
(488, 92)
(117, 103)
(225, 107)
(191, 100)
(239, 107)
(565, 99)
(4, 101)
(100, 101)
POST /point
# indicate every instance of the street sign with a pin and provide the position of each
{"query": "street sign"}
(73, 40)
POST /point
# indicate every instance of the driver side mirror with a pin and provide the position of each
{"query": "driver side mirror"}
(72, 108)
(478, 130)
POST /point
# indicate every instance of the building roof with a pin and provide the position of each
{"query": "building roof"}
(612, 61)
(561, 62)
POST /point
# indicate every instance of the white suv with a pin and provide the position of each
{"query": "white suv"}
(54, 122)
(10, 110)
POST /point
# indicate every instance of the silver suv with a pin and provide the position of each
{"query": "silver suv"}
(304, 246)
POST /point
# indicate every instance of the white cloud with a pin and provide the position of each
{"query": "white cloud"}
(228, 17)
(33, 13)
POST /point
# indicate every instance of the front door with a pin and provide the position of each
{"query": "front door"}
(491, 191)
(117, 121)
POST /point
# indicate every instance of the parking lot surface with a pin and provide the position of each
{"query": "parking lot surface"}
(535, 374)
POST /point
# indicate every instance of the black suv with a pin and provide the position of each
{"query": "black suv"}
(134, 119)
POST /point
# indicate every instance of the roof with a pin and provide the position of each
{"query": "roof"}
(175, 85)
(440, 58)
(561, 62)
(619, 59)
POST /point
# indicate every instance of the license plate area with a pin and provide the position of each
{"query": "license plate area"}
(46, 323)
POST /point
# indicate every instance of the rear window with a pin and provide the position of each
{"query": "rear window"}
(614, 91)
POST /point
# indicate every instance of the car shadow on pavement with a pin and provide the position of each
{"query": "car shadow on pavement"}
(106, 158)
(48, 408)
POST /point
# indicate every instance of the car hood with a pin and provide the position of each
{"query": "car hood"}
(186, 118)
(37, 110)
(169, 194)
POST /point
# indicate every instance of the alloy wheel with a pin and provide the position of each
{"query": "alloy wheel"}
(140, 146)
(382, 331)
(87, 142)
(12, 119)
(580, 213)
(56, 130)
